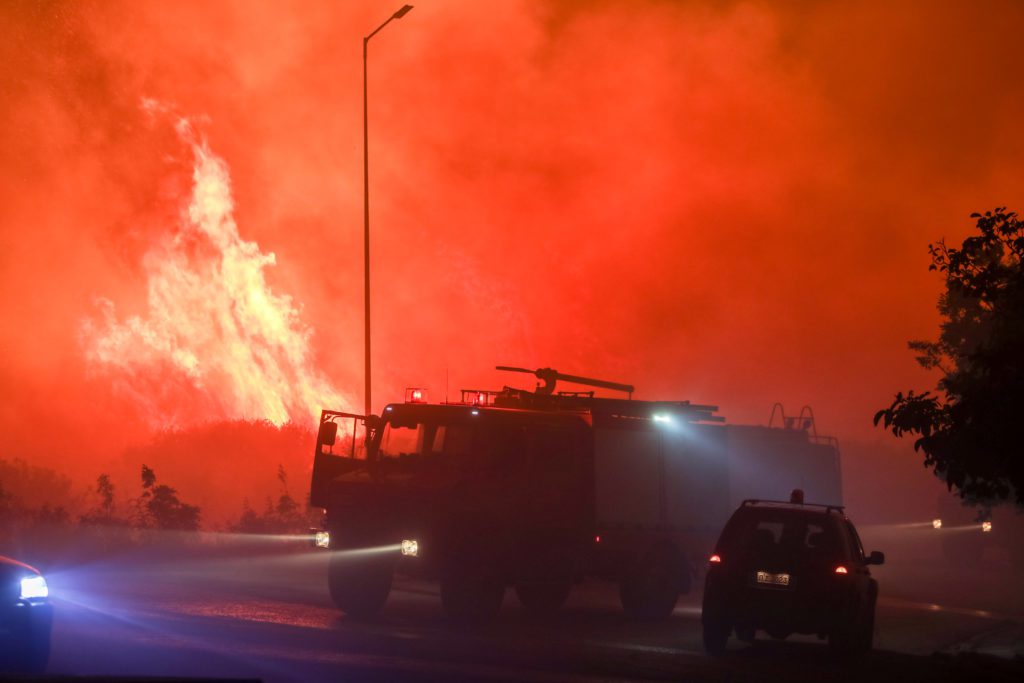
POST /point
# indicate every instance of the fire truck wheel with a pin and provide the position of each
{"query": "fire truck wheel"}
(470, 599)
(543, 598)
(359, 587)
(651, 590)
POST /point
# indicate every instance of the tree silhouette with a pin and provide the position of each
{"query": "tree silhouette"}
(104, 513)
(969, 428)
(285, 516)
(159, 507)
(105, 489)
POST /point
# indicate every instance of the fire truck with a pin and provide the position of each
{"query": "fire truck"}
(537, 490)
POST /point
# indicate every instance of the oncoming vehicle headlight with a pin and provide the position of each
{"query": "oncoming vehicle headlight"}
(410, 547)
(34, 588)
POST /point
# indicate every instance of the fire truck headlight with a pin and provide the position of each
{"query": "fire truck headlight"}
(34, 588)
(410, 547)
(936, 523)
(663, 419)
(986, 526)
(322, 539)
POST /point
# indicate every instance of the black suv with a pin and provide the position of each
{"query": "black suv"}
(790, 568)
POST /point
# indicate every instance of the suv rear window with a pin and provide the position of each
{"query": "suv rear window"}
(768, 531)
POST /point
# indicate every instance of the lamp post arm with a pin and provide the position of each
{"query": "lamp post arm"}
(375, 32)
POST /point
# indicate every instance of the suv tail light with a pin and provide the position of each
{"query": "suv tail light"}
(715, 559)
(841, 570)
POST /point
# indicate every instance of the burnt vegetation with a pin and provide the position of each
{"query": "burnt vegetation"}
(282, 516)
(102, 519)
(967, 428)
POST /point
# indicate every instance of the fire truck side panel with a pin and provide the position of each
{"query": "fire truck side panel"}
(628, 478)
(767, 464)
(823, 473)
(696, 481)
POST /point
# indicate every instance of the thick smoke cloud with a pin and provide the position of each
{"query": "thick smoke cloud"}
(727, 202)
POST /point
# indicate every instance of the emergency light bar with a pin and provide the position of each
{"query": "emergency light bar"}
(414, 395)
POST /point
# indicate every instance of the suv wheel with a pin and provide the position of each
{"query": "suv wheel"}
(853, 638)
(866, 633)
(716, 635)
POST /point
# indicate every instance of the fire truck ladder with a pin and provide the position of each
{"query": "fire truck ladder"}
(545, 398)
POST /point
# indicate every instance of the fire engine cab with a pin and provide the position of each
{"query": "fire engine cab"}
(537, 490)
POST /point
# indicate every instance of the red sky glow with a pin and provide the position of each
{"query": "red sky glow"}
(727, 202)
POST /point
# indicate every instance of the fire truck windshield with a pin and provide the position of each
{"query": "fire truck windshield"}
(417, 440)
(485, 449)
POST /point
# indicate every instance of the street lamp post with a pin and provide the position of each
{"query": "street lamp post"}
(366, 206)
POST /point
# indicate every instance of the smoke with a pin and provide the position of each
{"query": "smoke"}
(725, 202)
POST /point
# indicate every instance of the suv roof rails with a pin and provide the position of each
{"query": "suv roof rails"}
(754, 501)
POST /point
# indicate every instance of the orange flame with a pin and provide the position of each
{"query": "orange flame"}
(212, 321)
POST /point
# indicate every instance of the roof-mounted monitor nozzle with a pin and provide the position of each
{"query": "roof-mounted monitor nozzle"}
(550, 376)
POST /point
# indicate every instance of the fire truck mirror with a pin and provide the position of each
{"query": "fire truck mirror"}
(328, 433)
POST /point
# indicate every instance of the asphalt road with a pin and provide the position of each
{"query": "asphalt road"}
(264, 612)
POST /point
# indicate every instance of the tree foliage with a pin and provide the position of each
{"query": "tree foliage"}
(159, 507)
(969, 427)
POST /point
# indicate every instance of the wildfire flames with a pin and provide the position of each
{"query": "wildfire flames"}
(213, 323)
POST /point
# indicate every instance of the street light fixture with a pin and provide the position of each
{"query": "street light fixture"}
(366, 206)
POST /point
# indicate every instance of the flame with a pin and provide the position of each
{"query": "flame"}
(213, 328)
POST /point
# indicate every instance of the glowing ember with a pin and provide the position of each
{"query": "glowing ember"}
(213, 322)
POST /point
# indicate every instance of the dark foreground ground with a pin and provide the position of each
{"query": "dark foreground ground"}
(262, 611)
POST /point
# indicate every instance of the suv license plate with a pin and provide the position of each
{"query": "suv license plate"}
(767, 578)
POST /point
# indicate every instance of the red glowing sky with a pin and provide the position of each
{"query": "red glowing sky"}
(727, 202)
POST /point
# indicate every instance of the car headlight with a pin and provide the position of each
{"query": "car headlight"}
(34, 588)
